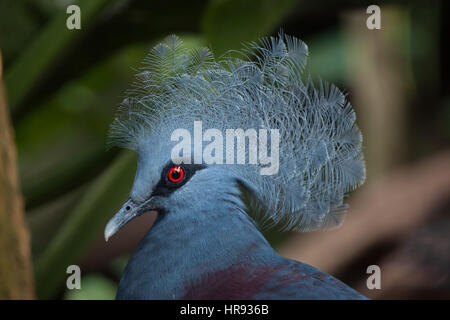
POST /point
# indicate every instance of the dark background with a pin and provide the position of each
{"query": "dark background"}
(62, 88)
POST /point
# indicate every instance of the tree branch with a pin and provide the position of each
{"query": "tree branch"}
(16, 280)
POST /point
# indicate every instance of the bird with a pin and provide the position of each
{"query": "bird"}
(207, 240)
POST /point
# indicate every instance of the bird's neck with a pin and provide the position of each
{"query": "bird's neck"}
(180, 247)
(219, 236)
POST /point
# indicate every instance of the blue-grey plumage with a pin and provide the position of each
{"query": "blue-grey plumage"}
(204, 244)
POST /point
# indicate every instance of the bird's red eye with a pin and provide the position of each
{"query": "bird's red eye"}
(176, 174)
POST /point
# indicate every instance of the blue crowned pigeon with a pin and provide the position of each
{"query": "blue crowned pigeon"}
(218, 140)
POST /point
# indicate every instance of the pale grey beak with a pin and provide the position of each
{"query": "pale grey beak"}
(128, 211)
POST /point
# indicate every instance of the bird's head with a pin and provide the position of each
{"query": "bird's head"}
(172, 188)
(175, 186)
(319, 148)
(168, 189)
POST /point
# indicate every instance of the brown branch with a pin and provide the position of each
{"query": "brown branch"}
(418, 266)
(16, 280)
(386, 211)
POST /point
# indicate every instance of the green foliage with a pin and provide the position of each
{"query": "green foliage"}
(229, 23)
(328, 56)
(36, 60)
(103, 197)
(94, 287)
(79, 115)
(19, 21)
(444, 117)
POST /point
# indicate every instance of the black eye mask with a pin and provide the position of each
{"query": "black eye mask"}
(170, 177)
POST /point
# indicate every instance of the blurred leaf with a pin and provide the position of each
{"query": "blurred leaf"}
(118, 265)
(46, 219)
(88, 218)
(228, 23)
(17, 27)
(328, 56)
(37, 59)
(444, 117)
(423, 41)
(93, 287)
(61, 142)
